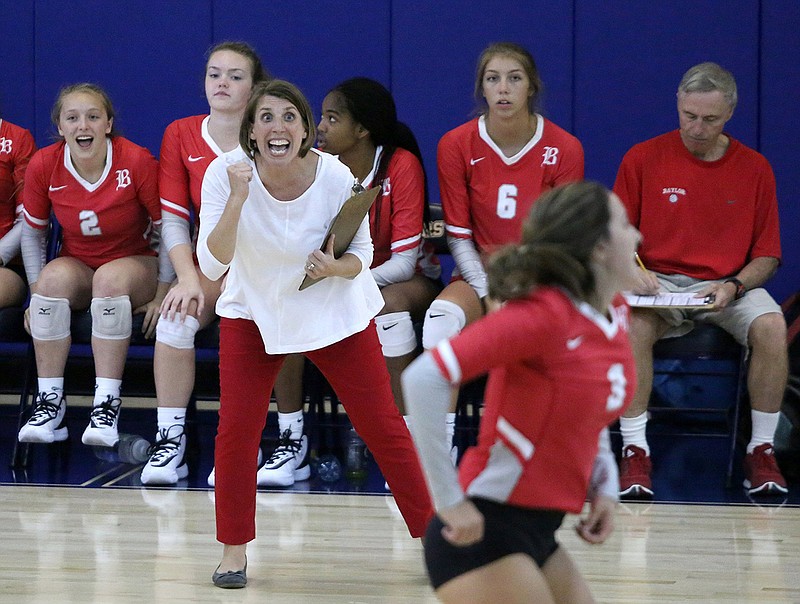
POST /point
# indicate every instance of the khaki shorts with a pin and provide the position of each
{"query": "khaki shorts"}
(735, 318)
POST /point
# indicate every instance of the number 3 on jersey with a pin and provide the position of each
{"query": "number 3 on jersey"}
(507, 201)
(616, 376)
(89, 222)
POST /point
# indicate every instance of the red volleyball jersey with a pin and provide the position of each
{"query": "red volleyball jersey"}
(16, 148)
(559, 372)
(395, 219)
(100, 221)
(486, 196)
(186, 151)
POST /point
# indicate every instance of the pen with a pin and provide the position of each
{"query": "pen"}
(639, 261)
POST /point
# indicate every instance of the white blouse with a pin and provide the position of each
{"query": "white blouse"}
(273, 241)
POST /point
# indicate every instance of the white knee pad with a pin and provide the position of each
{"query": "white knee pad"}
(176, 333)
(111, 318)
(443, 320)
(396, 333)
(49, 317)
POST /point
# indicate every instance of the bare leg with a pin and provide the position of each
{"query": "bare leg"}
(234, 557)
(413, 296)
(646, 328)
(462, 294)
(62, 278)
(565, 580)
(289, 385)
(174, 368)
(12, 288)
(511, 579)
(766, 379)
(135, 277)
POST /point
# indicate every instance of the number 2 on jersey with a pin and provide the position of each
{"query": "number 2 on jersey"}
(89, 226)
(507, 201)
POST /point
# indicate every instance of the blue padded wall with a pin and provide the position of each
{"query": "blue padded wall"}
(610, 69)
(435, 47)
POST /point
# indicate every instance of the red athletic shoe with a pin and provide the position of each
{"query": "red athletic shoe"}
(634, 475)
(762, 476)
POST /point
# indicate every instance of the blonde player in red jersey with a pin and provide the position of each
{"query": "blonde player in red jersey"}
(491, 170)
(102, 189)
(560, 371)
(16, 148)
(189, 145)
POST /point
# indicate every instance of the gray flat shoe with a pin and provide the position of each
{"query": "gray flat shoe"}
(233, 579)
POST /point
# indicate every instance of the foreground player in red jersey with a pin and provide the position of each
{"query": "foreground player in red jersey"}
(560, 371)
(491, 170)
(189, 145)
(708, 209)
(102, 189)
(16, 148)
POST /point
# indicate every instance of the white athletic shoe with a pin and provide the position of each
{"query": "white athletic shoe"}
(288, 463)
(212, 477)
(166, 464)
(102, 429)
(46, 424)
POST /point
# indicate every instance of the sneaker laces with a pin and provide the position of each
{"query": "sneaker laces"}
(166, 446)
(105, 414)
(287, 447)
(44, 409)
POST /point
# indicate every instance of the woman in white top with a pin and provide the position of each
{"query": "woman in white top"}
(265, 208)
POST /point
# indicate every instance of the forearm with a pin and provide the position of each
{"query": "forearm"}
(33, 251)
(469, 264)
(181, 258)
(9, 244)
(348, 266)
(221, 241)
(398, 268)
(757, 272)
(605, 474)
(427, 398)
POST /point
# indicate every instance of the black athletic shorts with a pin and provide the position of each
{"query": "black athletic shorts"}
(507, 530)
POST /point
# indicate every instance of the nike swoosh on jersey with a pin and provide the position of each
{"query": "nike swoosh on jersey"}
(385, 327)
(52, 188)
(192, 158)
(475, 160)
(574, 343)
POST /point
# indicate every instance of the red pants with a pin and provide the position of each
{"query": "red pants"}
(356, 370)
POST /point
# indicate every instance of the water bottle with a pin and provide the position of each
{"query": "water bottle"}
(356, 457)
(329, 468)
(130, 449)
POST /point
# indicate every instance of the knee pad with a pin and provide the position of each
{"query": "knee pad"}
(396, 333)
(49, 317)
(443, 320)
(111, 318)
(176, 333)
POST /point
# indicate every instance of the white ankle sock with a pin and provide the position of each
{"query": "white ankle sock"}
(634, 431)
(55, 384)
(291, 421)
(764, 425)
(170, 416)
(105, 387)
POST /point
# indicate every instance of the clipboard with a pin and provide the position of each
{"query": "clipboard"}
(671, 300)
(345, 225)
